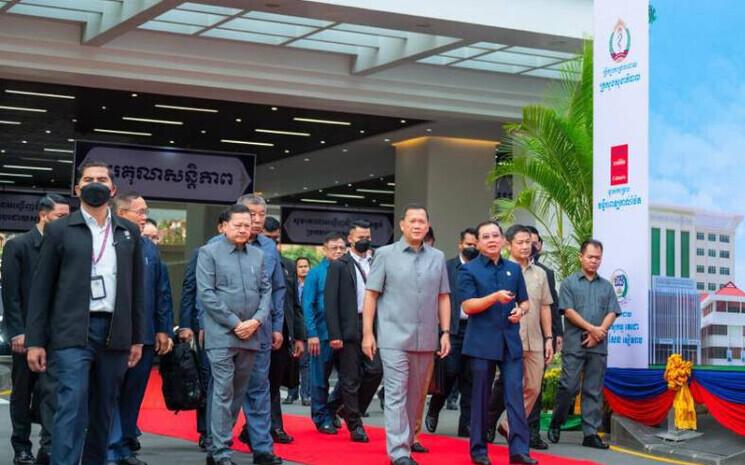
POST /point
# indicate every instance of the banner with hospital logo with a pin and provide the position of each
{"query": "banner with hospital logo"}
(621, 170)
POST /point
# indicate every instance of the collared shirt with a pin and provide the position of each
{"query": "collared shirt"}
(409, 282)
(106, 266)
(364, 263)
(539, 295)
(314, 310)
(463, 315)
(593, 300)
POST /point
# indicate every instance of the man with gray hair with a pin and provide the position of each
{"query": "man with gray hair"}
(257, 404)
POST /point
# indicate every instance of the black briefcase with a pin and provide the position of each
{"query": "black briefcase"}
(437, 382)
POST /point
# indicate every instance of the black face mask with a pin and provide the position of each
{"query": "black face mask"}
(95, 194)
(362, 246)
(469, 253)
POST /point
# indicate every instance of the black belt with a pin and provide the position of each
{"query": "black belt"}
(100, 314)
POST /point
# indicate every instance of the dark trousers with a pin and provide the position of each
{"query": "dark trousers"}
(496, 407)
(280, 360)
(124, 425)
(303, 390)
(359, 378)
(457, 372)
(320, 371)
(588, 370)
(204, 377)
(28, 390)
(511, 372)
(88, 380)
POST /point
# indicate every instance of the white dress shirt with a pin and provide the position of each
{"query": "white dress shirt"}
(364, 263)
(463, 315)
(106, 266)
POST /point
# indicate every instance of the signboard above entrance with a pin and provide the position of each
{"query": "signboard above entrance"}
(309, 226)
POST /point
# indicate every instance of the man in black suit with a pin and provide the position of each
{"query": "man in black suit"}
(87, 312)
(293, 332)
(344, 296)
(456, 366)
(20, 256)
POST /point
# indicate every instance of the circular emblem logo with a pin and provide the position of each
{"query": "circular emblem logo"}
(620, 42)
(620, 281)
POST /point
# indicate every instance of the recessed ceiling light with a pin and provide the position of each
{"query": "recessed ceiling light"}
(349, 185)
(306, 159)
(246, 142)
(47, 149)
(38, 94)
(238, 120)
(323, 142)
(428, 129)
(320, 190)
(203, 131)
(274, 108)
(372, 175)
(15, 123)
(24, 142)
(48, 131)
(345, 150)
(287, 151)
(103, 107)
(6, 181)
(375, 191)
(65, 161)
(322, 121)
(317, 201)
(403, 121)
(128, 133)
(392, 184)
(33, 110)
(286, 133)
(17, 175)
(374, 201)
(346, 196)
(171, 142)
(362, 131)
(2, 150)
(389, 205)
(386, 140)
(74, 120)
(70, 140)
(23, 167)
(134, 95)
(150, 120)
(336, 182)
(271, 168)
(177, 107)
(305, 188)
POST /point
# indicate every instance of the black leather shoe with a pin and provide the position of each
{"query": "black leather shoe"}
(430, 422)
(305, 402)
(224, 461)
(595, 442)
(210, 461)
(481, 460)
(537, 443)
(491, 435)
(419, 448)
(132, 460)
(502, 432)
(327, 428)
(523, 458)
(244, 437)
(288, 401)
(203, 441)
(266, 458)
(451, 405)
(358, 434)
(134, 444)
(23, 457)
(554, 433)
(404, 461)
(42, 457)
(280, 436)
(336, 421)
(465, 432)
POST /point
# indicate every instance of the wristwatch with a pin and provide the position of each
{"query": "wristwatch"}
(445, 331)
(547, 338)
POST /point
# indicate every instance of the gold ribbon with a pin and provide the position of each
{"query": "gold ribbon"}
(677, 373)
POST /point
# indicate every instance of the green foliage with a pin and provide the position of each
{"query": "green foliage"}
(549, 155)
(310, 252)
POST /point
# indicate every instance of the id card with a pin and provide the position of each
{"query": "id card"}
(98, 288)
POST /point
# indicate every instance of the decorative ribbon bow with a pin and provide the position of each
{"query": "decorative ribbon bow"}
(677, 373)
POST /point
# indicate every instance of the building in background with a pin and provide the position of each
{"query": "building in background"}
(692, 243)
(723, 327)
(674, 320)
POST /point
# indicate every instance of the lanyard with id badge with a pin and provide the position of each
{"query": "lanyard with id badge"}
(98, 288)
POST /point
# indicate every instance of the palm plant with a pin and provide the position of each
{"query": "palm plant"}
(549, 156)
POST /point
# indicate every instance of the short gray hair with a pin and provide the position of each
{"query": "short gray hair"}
(252, 199)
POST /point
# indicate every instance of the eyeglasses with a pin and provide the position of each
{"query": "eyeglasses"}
(338, 247)
(140, 212)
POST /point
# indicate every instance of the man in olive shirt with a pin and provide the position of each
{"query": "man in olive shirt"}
(408, 286)
(590, 307)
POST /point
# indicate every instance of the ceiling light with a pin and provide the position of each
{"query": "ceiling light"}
(345, 150)
(386, 140)
(392, 184)
(171, 142)
(103, 107)
(287, 151)
(203, 131)
(323, 142)
(48, 131)
(17, 175)
(134, 95)
(271, 168)
(403, 121)
(305, 188)
(286, 133)
(322, 121)
(47, 149)
(375, 191)
(306, 159)
(128, 133)
(35, 110)
(65, 161)
(317, 201)
(372, 175)
(2, 150)
(24, 142)
(70, 140)
(238, 120)
(74, 120)
(23, 167)
(428, 129)
(6, 181)
(389, 205)
(346, 196)
(362, 131)
(246, 142)
(274, 108)
(149, 120)
(38, 94)
(9, 122)
(176, 107)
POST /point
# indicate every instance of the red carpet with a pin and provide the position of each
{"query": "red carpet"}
(313, 448)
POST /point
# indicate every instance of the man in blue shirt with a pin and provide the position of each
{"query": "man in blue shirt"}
(495, 298)
(158, 331)
(319, 349)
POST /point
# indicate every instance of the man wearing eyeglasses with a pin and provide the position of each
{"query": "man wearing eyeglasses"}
(158, 329)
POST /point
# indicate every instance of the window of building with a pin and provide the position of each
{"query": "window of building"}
(733, 307)
(712, 287)
(724, 271)
(709, 308)
(724, 254)
(656, 259)
(685, 254)
(670, 249)
(700, 286)
(715, 352)
(700, 269)
(724, 238)
(712, 237)
(700, 252)
(721, 286)
(700, 236)
(712, 270)
(713, 253)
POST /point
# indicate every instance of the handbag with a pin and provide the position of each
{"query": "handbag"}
(439, 374)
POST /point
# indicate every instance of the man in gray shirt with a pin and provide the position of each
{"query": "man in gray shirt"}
(236, 297)
(408, 286)
(590, 307)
